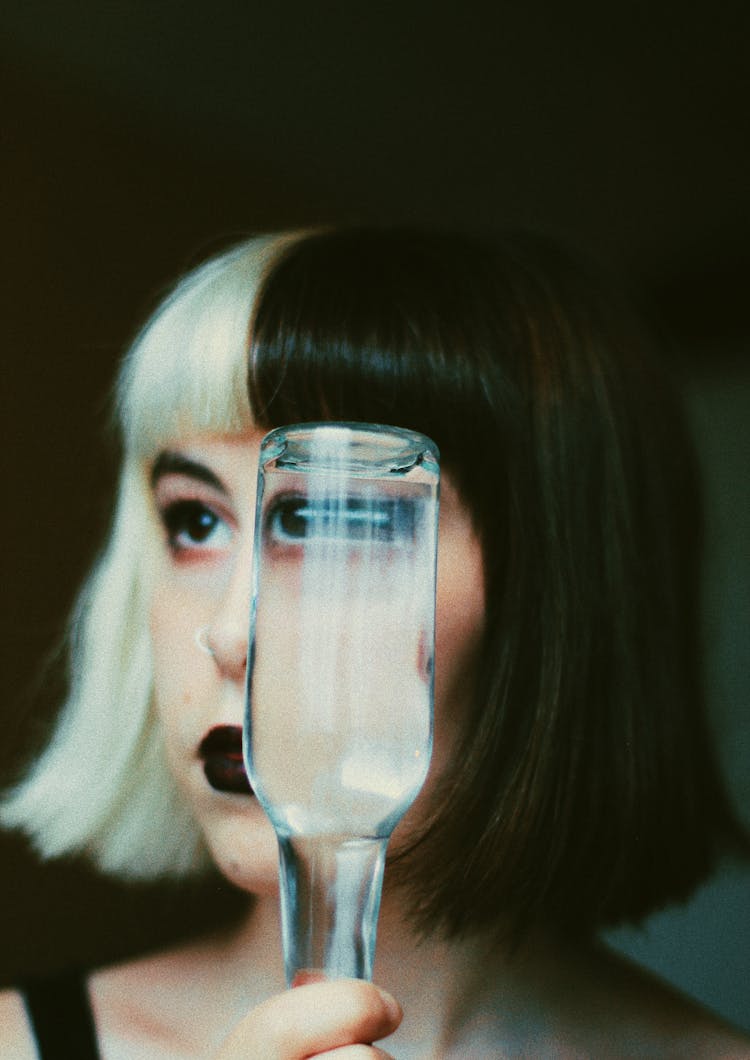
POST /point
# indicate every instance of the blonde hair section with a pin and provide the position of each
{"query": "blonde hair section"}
(101, 786)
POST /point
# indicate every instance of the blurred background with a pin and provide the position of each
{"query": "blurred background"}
(140, 136)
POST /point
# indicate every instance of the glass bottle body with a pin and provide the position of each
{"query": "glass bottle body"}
(339, 705)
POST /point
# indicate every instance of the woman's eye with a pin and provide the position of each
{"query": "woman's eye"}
(191, 525)
(288, 519)
(293, 520)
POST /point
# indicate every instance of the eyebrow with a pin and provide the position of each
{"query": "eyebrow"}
(169, 462)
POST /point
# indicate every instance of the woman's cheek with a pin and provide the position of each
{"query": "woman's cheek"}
(176, 656)
(460, 618)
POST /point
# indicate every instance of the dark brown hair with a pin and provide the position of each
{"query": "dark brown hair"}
(584, 791)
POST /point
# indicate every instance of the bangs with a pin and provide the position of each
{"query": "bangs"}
(187, 371)
(370, 325)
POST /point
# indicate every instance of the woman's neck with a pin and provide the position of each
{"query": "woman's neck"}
(449, 990)
(437, 982)
(239, 967)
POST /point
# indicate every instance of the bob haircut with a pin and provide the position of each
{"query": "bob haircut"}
(583, 792)
(101, 786)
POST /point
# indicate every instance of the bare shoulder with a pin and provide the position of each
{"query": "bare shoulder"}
(16, 1042)
(650, 1017)
(182, 1001)
(573, 1001)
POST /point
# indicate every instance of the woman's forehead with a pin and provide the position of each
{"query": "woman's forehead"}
(208, 442)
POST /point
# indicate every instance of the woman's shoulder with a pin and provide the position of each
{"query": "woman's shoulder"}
(630, 1011)
(47, 1011)
(16, 1041)
(170, 1002)
(588, 1001)
(117, 1006)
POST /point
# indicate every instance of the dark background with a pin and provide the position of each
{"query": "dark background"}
(139, 137)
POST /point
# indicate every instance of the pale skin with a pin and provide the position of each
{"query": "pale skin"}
(223, 997)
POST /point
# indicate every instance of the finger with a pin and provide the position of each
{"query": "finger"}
(313, 1019)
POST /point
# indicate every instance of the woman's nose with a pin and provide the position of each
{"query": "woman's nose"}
(227, 634)
(227, 642)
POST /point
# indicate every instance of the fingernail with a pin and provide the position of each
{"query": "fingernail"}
(392, 1006)
(308, 976)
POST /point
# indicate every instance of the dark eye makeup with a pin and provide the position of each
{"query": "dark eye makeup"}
(188, 523)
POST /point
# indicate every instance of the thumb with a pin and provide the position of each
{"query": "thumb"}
(312, 1019)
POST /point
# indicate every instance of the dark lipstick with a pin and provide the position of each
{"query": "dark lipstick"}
(223, 766)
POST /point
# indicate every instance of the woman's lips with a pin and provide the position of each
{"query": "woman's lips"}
(223, 765)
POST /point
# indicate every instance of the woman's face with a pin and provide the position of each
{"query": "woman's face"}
(204, 498)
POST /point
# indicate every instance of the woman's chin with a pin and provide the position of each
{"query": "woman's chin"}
(258, 882)
(246, 854)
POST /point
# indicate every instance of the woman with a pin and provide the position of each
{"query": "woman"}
(570, 756)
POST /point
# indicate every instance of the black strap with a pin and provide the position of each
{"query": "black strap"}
(60, 1013)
